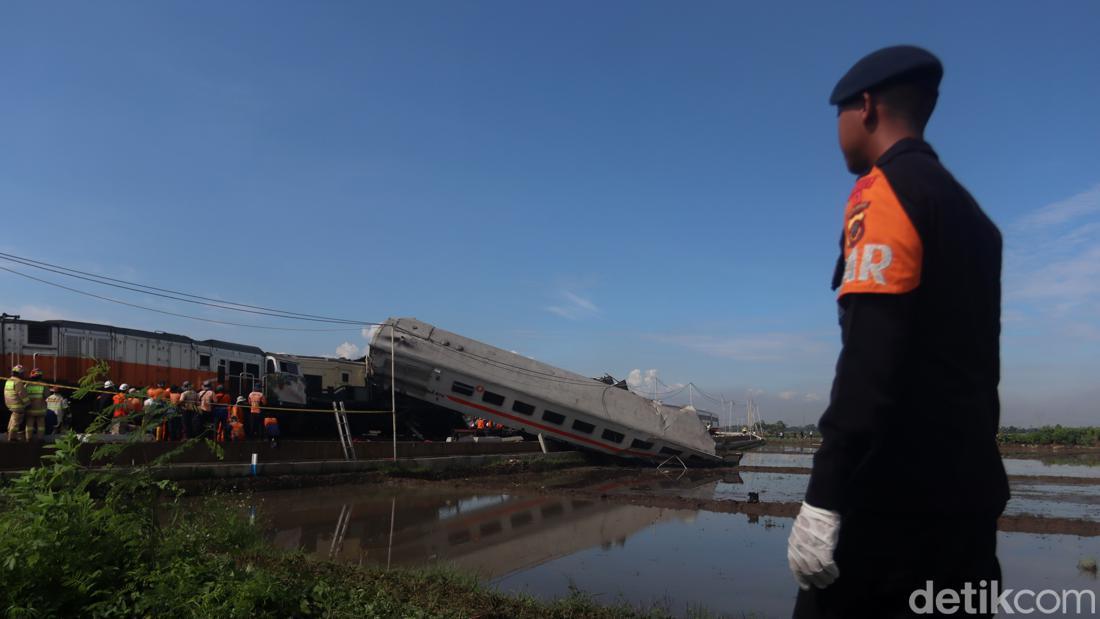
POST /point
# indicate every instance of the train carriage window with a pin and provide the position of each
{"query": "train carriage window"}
(252, 368)
(639, 444)
(492, 398)
(522, 519)
(462, 388)
(552, 510)
(490, 528)
(270, 366)
(523, 408)
(583, 426)
(40, 335)
(552, 417)
(290, 367)
(221, 371)
(613, 436)
(668, 451)
(345, 377)
(204, 362)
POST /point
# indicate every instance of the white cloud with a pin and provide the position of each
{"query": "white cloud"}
(347, 350)
(646, 382)
(788, 395)
(1052, 257)
(755, 393)
(812, 397)
(1085, 203)
(573, 307)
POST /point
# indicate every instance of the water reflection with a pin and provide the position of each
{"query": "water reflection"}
(490, 535)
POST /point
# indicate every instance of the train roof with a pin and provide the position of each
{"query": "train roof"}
(157, 335)
(291, 355)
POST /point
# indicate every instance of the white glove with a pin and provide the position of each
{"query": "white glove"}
(811, 545)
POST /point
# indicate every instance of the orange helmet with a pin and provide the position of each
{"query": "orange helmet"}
(36, 373)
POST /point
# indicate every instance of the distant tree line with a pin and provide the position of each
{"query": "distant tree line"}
(1050, 435)
(779, 427)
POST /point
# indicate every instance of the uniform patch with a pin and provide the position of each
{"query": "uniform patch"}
(883, 256)
(856, 224)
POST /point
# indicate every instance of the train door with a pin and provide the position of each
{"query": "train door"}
(234, 386)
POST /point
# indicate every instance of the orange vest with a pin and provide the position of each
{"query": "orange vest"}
(236, 430)
(120, 404)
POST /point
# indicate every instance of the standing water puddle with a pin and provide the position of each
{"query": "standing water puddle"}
(544, 545)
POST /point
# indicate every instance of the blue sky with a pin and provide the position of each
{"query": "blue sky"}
(608, 186)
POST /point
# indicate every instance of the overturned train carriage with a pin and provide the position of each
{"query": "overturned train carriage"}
(449, 371)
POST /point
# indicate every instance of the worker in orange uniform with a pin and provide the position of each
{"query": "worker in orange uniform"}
(119, 409)
(256, 400)
(15, 398)
(236, 428)
(271, 428)
(221, 413)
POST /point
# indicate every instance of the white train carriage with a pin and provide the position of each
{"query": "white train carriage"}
(464, 375)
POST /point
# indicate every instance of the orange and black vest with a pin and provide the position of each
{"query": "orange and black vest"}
(913, 415)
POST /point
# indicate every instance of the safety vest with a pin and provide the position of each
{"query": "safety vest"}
(15, 395)
(255, 400)
(56, 402)
(36, 399)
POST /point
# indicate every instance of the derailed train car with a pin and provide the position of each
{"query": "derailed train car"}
(445, 370)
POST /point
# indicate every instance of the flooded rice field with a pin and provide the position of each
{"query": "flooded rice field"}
(710, 539)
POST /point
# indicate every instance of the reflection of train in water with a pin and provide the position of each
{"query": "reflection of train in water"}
(489, 534)
(65, 349)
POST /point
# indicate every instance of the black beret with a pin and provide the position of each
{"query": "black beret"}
(889, 64)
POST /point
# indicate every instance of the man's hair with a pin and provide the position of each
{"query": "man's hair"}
(910, 97)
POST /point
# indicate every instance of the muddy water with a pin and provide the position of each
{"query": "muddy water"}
(545, 544)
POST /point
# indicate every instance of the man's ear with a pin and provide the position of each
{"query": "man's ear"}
(868, 114)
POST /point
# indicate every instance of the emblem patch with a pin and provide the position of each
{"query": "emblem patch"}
(856, 225)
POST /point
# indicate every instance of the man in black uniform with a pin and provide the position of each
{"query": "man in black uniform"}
(908, 483)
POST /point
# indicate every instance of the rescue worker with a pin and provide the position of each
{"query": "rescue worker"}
(104, 402)
(36, 407)
(236, 429)
(189, 409)
(206, 407)
(56, 405)
(256, 401)
(271, 427)
(221, 413)
(119, 409)
(918, 283)
(174, 415)
(16, 400)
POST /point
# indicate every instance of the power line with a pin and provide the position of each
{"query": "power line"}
(175, 294)
(160, 311)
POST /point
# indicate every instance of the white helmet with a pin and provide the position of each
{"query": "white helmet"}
(124, 387)
(108, 384)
